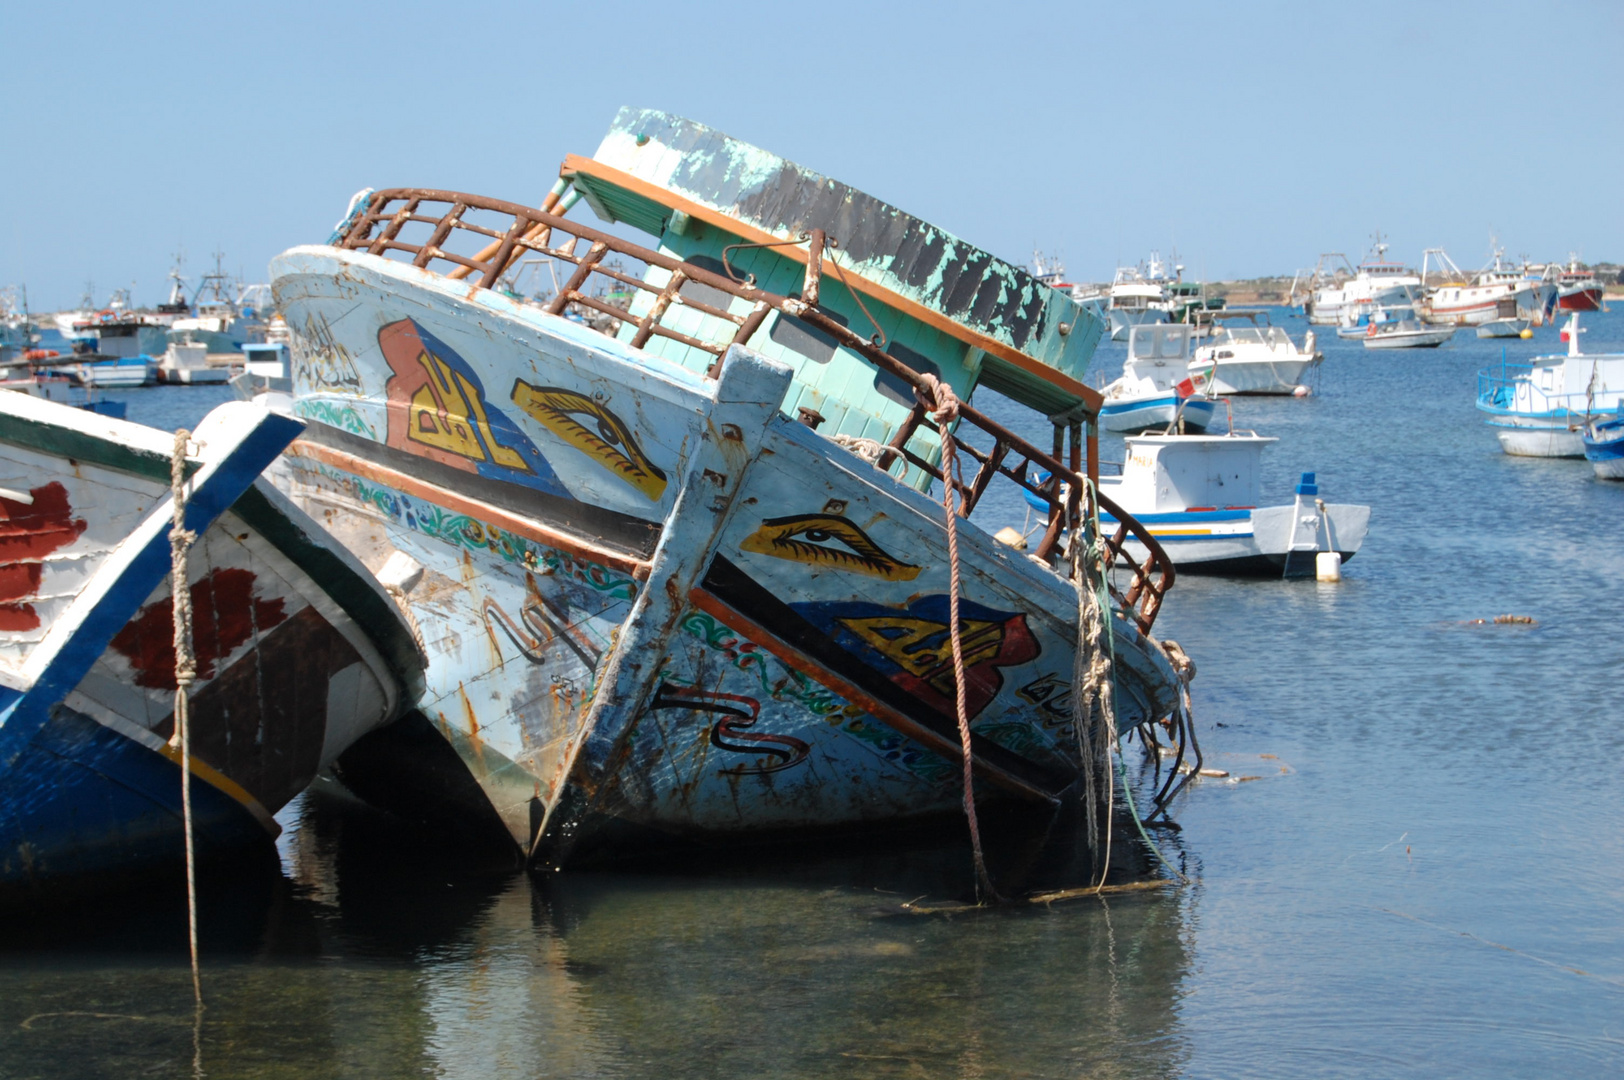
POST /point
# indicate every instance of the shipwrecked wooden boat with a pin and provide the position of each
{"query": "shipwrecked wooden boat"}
(297, 651)
(667, 532)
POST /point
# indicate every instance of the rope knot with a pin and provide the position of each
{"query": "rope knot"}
(938, 397)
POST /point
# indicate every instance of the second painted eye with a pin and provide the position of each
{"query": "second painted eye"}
(827, 540)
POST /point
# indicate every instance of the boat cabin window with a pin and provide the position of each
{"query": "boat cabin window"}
(799, 336)
(889, 386)
(694, 290)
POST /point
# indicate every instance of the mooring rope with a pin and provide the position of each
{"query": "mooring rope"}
(938, 396)
(1093, 703)
(180, 544)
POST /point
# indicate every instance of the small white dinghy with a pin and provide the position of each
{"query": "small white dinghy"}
(186, 363)
(1198, 495)
(1155, 382)
(1399, 327)
(1256, 359)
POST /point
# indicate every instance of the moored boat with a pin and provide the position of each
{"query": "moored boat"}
(655, 605)
(1540, 409)
(1401, 328)
(1604, 446)
(1332, 292)
(187, 364)
(1154, 389)
(297, 651)
(1578, 288)
(1259, 358)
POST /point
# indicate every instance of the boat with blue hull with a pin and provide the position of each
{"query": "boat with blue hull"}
(287, 677)
(1604, 446)
(674, 559)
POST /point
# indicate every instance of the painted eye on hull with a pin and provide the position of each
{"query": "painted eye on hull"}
(827, 540)
(595, 431)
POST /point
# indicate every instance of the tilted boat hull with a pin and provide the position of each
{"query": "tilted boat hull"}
(651, 604)
(286, 676)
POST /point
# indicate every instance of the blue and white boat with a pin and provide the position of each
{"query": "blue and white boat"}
(1540, 409)
(298, 651)
(1155, 390)
(1198, 495)
(1604, 446)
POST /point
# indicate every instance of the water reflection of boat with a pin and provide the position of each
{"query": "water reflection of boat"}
(654, 605)
(297, 652)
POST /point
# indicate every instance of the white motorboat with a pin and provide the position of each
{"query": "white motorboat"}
(1401, 328)
(1540, 409)
(1356, 287)
(1198, 496)
(1256, 359)
(187, 364)
(1155, 389)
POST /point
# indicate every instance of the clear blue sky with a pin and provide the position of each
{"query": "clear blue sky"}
(1254, 136)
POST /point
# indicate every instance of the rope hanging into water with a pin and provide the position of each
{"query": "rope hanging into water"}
(938, 397)
(180, 545)
(1093, 703)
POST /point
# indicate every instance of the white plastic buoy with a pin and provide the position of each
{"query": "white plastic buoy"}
(1301, 391)
(1328, 566)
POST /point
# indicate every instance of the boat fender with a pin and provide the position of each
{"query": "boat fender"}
(1328, 566)
(1300, 391)
(1525, 333)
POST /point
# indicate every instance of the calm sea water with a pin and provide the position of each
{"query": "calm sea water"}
(1425, 881)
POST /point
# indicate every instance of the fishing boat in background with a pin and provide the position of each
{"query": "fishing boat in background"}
(1578, 288)
(225, 315)
(1331, 291)
(1540, 409)
(679, 577)
(1155, 389)
(1257, 359)
(123, 373)
(1354, 322)
(1497, 295)
(298, 652)
(1139, 296)
(1604, 445)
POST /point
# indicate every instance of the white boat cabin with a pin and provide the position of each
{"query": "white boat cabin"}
(1173, 473)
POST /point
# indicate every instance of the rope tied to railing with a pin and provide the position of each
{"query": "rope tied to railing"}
(938, 397)
(181, 540)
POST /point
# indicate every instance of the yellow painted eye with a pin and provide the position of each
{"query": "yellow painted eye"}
(827, 540)
(591, 428)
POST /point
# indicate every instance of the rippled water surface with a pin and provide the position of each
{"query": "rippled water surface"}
(1425, 880)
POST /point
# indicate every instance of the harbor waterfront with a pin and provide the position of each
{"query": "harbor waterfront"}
(1412, 868)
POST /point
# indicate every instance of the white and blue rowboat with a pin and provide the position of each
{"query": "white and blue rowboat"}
(1155, 383)
(1604, 446)
(1540, 409)
(657, 605)
(298, 650)
(1198, 494)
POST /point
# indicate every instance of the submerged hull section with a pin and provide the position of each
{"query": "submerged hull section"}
(716, 623)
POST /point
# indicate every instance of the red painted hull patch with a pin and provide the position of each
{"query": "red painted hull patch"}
(28, 533)
(225, 613)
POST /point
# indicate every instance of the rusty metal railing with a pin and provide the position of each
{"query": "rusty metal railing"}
(519, 231)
